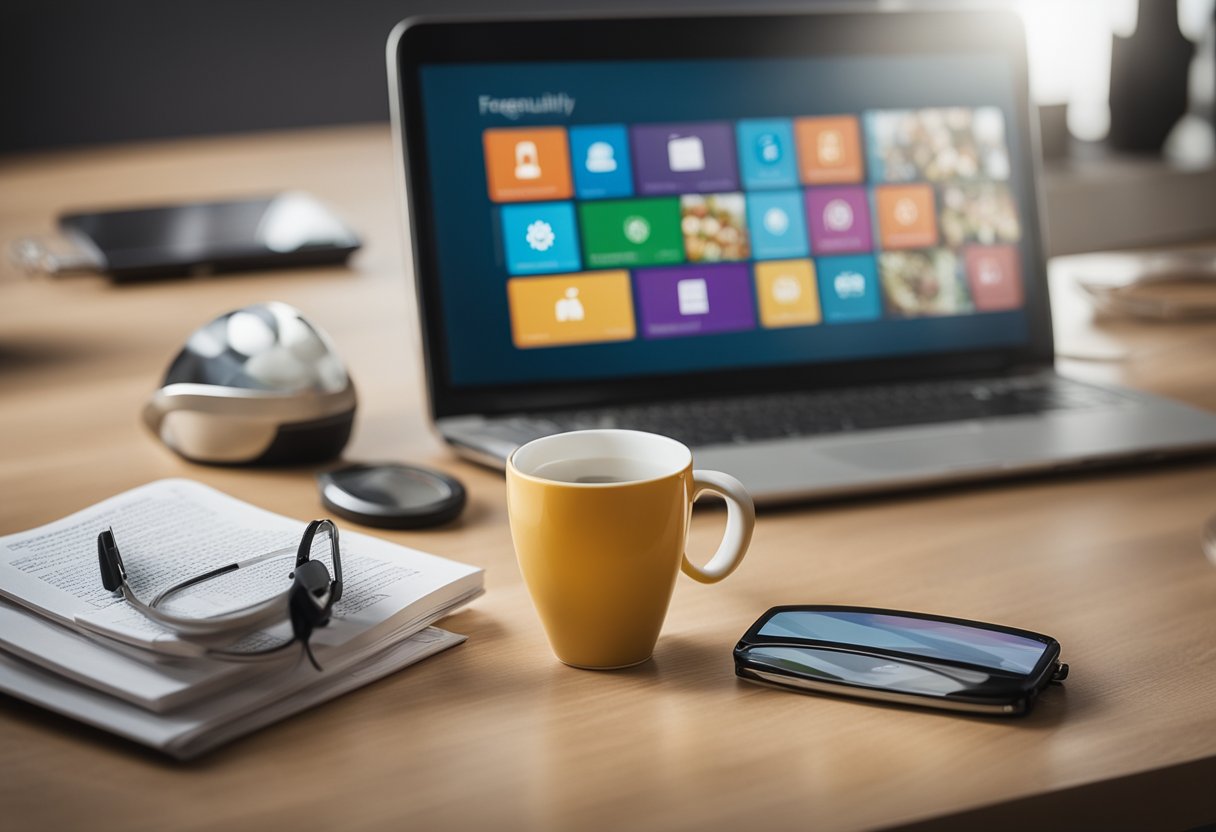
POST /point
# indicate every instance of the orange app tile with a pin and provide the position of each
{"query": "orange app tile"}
(829, 150)
(527, 163)
(905, 216)
(788, 293)
(571, 309)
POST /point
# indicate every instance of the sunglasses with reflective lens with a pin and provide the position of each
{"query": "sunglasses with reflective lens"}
(903, 657)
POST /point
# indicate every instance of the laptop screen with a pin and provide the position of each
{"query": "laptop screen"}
(618, 219)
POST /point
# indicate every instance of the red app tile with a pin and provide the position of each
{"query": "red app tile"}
(995, 276)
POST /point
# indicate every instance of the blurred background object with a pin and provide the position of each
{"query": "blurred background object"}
(1150, 285)
(77, 72)
(1125, 95)
(1125, 87)
(1149, 75)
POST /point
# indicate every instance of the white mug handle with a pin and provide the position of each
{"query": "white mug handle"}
(740, 523)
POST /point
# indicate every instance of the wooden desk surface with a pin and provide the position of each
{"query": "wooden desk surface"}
(496, 733)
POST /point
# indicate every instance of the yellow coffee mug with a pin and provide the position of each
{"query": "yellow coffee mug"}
(599, 519)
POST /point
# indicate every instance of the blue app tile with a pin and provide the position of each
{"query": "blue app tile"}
(848, 289)
(776, 224)
(600, 156)
(540, 238)
(766, 153)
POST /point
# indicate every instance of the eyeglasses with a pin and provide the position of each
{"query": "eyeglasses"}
(905, 657)
(307, 604)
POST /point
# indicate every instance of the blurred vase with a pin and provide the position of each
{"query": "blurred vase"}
(1053, 130)
(1148, 79)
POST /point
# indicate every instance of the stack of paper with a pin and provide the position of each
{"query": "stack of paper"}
(71, 646)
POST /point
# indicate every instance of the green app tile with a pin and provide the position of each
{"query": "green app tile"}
(631, 232)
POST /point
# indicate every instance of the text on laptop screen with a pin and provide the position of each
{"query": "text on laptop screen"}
(616, 219)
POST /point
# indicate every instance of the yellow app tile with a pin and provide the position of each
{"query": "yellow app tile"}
(788, 293)
(571, 309)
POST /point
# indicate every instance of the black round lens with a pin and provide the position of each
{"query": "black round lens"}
(391, 495)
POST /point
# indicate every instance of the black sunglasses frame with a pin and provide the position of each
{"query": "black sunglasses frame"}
(1003, 692)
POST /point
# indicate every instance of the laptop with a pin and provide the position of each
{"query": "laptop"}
(807, 246)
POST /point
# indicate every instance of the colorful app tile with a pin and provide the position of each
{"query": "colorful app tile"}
(787, 293)
(570, 309)
(683, 158)
(527, 163)
(829, 150)
(848, 289)
(978, 212)
(776, 225)
(600, 156)
(839, 219)
(995, 276)
(715, 227)
(918, 283)
(937, 144)
(694, 300)
(767, 158)
(540, 238)
(906, 217)
(631, 232)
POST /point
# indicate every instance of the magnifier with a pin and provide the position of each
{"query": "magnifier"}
(391, 496)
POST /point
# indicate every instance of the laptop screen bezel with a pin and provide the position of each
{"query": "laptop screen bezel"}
(422, 41)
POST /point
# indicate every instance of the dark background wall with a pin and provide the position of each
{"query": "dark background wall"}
(94, 71)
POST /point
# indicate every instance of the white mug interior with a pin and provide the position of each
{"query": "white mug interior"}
(626, 456)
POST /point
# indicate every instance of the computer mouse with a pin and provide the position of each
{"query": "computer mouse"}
(256, 386)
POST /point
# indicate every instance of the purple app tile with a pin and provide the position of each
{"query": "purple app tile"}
(684, 158)
(694, 300)
(839, 219)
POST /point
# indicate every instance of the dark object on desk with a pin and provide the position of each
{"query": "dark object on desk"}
(306, 604)
(288, 230)
(902, 657)
(392, 496)
(1148, 79)
(256, 386)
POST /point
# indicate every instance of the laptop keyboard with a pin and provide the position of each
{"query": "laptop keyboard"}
(777, 416)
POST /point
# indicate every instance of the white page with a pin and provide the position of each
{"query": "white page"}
(171, 530)
(390, 592)
(157, 685)
(191, 731)
(164, 685)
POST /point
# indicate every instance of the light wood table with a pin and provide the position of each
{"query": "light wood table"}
(495, 733)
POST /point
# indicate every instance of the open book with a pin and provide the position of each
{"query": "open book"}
(171, 530)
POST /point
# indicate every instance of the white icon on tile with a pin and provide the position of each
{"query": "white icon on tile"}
(693, 296)
(776, 221)
(849, 285)
(838, 215)
(786, 290)
(527, 161)
(685, 153)
(601, 158)
(768, 148)
(569, 308)
(830, 147)
(637, 229)
(540, 236)
(989, 272)
(905, 211)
